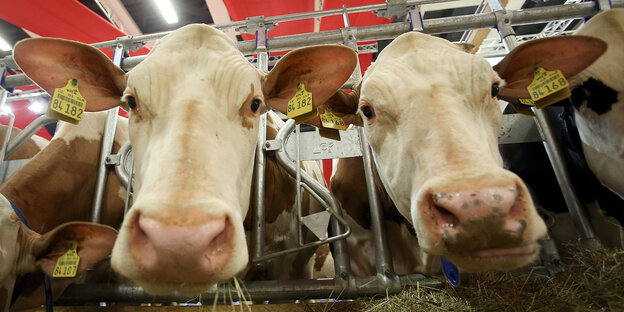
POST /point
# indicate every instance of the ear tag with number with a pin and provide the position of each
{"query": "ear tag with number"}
(67, 264)
(67, 104)
(300, 106)
(548, 87)
(331, 121)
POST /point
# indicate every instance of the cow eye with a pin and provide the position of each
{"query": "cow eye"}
(368, 111)
(255, 104)
(495, 89)
(131, 102)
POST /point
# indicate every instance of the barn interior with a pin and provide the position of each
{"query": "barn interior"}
(586, 274)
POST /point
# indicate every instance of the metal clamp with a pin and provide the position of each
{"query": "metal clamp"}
(129, 43)
(252, 24)
(398, 8)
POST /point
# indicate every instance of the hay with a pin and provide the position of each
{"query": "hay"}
(593, 281)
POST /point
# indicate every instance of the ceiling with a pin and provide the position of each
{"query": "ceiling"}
(89, 21)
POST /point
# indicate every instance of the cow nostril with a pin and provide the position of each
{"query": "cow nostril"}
(445, 217)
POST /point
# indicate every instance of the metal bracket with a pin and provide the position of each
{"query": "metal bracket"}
(254, 23)
(604, 5)
(398, 8)
(129, 44)
(113, 160)
(272, 145)
(415, 19)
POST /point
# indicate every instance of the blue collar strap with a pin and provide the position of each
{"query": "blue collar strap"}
(17, 289)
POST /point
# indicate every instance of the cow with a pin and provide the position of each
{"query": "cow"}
(25, 251)
(588, 127)
(596, 95)
(194, 106)
(57, 185)
(431, 115)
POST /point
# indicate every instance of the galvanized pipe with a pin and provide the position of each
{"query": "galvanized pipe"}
(108, 138)
(257, 231)
(389, 31)
(79, 294)
(7, 136)
(383, 258)
(29, 131)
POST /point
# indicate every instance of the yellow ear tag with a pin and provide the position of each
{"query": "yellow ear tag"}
(67, 264)
(329, 120)
(548, 87)
(300, 106)
(67, 103)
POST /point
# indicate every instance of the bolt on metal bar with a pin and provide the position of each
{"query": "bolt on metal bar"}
(108, 138)
(577, 212)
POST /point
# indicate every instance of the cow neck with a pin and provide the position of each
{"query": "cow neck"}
(52, 194)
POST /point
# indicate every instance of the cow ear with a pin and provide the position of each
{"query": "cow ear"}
(343, 105)
(52, 62)
(321, 69)
(94, 242)
(570, 55)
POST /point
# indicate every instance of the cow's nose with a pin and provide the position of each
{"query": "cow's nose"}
(492, 209)
(161, 246)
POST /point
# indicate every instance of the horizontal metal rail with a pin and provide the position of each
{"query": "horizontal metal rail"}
(79, 294)
(389, 31)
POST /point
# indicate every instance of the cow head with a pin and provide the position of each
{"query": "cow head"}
(24, 251)
(194, 107)
(430, 112)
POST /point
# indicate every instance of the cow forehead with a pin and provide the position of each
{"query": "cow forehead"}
(194, 60)
(416, 63)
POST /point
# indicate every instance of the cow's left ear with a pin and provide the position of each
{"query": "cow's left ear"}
(570, 55)
(52, 62)
(94, 242)
(321, 69)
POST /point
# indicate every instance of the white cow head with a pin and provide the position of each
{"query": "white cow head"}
(430, 112)
(194, 106)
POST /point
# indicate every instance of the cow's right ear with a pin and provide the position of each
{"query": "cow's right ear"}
(570, 55)
(345, 106)
(52, 62)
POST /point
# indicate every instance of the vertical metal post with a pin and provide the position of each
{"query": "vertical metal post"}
(383, 258)
(583, 227)
(298, 179)
(257, 231)
(108, 138)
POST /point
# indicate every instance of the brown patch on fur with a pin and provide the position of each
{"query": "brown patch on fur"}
(4, 298)
(320, 257)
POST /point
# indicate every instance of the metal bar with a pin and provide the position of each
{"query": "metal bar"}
(78, 294)
(389, 31)
(340, 252)
(108, 138)
(298, 183)
(26, 96)
(7, 136)
(383, 258)
(582, 225)
(29, 131)
(257, 231)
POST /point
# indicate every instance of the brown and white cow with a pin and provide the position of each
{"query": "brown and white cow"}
(23, 250)
(57, 185)
(430, 112)
(194, 104)
(597, 91)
